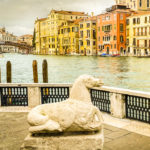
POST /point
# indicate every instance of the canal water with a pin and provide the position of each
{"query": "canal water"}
(124, 72)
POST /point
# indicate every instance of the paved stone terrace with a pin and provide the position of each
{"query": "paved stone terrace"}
(14, 128)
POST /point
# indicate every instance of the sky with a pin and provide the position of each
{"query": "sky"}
(18, 16)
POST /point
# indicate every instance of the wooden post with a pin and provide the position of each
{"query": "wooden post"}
(45, 71)
(9, 72)
(9, 76)
(35, 71)
(0, 75)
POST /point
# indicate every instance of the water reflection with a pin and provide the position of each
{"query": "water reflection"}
(125, 72)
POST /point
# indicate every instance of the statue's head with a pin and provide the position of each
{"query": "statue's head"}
(90, 81)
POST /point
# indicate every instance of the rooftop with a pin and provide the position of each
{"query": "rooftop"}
(70, 12)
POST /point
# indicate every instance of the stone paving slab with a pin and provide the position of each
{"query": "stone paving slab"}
(14, 128)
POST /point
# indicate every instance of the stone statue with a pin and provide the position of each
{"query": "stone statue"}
(73, 115)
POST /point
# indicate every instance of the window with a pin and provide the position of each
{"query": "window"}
(127, 22)
(148, 3)
(98, 29)
(121, 27)
(134, 41)
(138, 42)
(133, 31)
(62, 31)
(128, 49)
(88, 42)
(138, 20)
(99, 38)
(81, 25)
(127, 42)
(145, 43)
(71, 17)
(81, 43)
(94, 43)
(73, 29)
(121, 39)
(121, 17)
(134, 20)
(127, 32)
(146, 31)
(145, 19)
(88, 25)
(141, 31)
(81, 34)
(114, 26)
(88, 33)
(94, 34)
(115, 37)
(114, 45)
(68, 29)
(140, 3)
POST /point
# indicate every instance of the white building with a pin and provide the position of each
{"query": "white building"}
(5, 36)
(140, 5)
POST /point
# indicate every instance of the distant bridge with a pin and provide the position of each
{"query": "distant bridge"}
(22, 46)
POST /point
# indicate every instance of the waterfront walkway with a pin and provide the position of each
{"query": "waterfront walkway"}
(14, 128)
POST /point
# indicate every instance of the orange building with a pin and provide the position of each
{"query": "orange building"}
(111, 30)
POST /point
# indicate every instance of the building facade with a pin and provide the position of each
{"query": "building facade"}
(87, 36)
(6, 36)
(138, 34)
(27, 39)
(46, 30)
(140, 5)
(111, 31)
(68, 38)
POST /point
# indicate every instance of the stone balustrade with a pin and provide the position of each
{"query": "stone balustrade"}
(124, 103)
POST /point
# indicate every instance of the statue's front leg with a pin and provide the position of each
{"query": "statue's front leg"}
(50, 126)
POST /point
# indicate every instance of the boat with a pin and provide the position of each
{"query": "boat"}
(105, 55)
(115, 55)
(148, 56)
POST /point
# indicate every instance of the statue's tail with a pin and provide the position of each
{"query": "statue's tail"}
(35, 117)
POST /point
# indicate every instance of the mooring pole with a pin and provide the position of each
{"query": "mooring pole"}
(9, 75)
(35, 71)
(45, 71)
(0, 76)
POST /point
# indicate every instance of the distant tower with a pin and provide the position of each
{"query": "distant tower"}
(3, 29)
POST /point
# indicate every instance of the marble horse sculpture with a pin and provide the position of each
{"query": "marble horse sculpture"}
(73, 115)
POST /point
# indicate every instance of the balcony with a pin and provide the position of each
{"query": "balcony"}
(141, 34)
(106, 42)
(142, 46)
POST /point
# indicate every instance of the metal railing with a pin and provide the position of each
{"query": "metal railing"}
(128, 103)
(54, 94)
(101, 99)
(137, 108)
(14, 96)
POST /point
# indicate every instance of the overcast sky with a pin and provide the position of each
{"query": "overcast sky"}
(18, 16)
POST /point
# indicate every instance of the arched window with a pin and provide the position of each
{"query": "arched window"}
(148, 3)
(140, 3)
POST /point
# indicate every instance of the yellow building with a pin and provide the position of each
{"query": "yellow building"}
(40, 36)
(46, 30)
(138, 34)
(140, 5)
(87, 36)
(68, 39)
